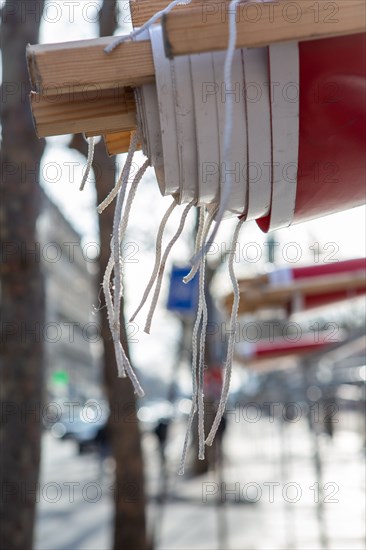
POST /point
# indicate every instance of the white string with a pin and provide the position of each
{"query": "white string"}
(119, 229)
(225, 190)
(115, 330)
(196, 387)
(89, 162)
(117, 260)
(158, 251)
(110, 312)
(141, 171)
(200, 236)
(151, 21)
(233, 327)
(198, 242)
(201, 419)
(195, 267)
(201, 225)
(115, 263)
(162, 266)
(122, 178)
(186, 439)
(122, 361)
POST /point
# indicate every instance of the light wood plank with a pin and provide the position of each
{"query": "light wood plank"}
(95, 114)
(196, 30)
(83, 66)
(118, 142)
(143, 10)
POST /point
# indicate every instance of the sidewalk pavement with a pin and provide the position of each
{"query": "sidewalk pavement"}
(265, 499)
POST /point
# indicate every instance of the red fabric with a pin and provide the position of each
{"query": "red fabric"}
(333, 268)
(326, 299)
(284, 347)
(332, 136)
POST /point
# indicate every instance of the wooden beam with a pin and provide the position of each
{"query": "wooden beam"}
(94, 114)
(118, 142)
(83, 66)
(196, 30)
(266, 297)
(143, 10)
(80, 66)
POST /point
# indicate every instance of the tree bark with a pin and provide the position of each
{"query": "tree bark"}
(129, 520)
(129, 525)
(22, 286)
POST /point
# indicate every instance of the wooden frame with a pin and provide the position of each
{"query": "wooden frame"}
(93, 113)
(63, 74)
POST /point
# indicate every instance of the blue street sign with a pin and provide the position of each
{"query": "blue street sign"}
(182, 298)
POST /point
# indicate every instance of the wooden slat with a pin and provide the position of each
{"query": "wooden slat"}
(94, 114)
(83, 66)
(118, 142)
(78, 66)
(205, 29)
(254, 298)
(143, 10)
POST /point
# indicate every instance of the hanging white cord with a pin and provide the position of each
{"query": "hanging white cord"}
(233, 327)
(115, 262)
(158, 248)
(225, 190)
(108, 273)
(110, 311)
(201, 364)
(201, 225)
(119, 230)
(195, 358)
(89, 162)
(201, 356)
(201, 314)
(162, 267)
(123, 176)
(151, 21)
(196, 265)
(117, 259)
(131, 195)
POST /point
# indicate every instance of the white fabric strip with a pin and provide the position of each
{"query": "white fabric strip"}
(149, 121)
(238, 162)
(255, 65)
(186, 130)
(150, 118)
(284, 80)
(166, 111)
(205, 114)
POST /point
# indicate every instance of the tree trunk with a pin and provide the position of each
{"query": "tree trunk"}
(22, 288)
(129, 520)
(130, 529)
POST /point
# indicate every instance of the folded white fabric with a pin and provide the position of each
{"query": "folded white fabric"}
(182, 121)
